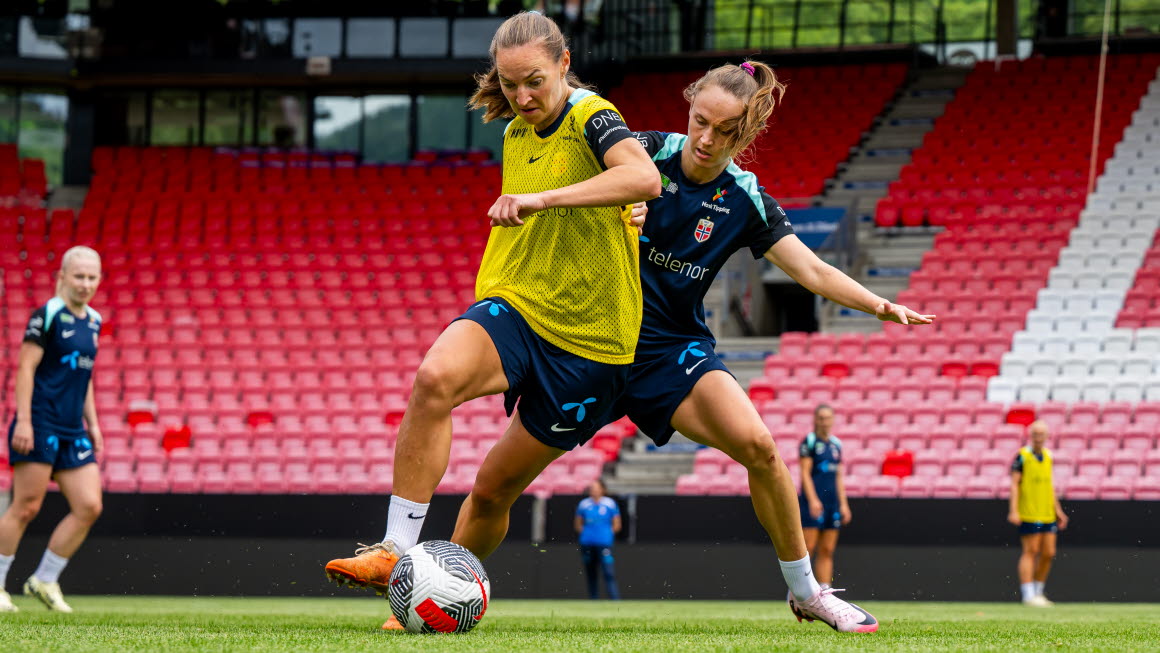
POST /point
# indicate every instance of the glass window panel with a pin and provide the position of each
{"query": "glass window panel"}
(442, 123)
(7, 115)
(43, 115)
(386, 128)
(229, 118)
(488, 136)
(174, 118)
(336, 123)
(282, 119)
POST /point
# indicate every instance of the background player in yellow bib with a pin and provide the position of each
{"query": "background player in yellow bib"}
(558, 296)
(1036, 511)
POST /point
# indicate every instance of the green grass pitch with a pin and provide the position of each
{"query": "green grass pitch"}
(352, 624)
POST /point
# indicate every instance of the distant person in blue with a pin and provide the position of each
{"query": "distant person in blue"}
(709, 208)
(55, 435)
(823, 498)
(598, 522)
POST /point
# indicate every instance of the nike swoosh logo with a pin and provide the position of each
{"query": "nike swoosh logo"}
(535, 158)
(412, 515)
(690, 370)
(556, 428)
(68, 334)
(84, 454)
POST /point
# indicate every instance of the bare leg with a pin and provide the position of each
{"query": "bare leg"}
(29, 485)
(824, 556)
(511, 465)
(717, 413)
(1031, 545)
(1046, 557)
(82, 487)
(462, 364)
(811, 535)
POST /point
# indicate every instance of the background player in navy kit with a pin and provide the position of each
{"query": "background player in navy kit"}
(708, 209)
(48, 439)
(823, 498)
(598, 522)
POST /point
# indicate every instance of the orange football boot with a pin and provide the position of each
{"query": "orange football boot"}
(393, 624)
(370, 567)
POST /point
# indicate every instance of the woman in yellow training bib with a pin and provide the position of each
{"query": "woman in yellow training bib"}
(1036, 511)
(558, 294)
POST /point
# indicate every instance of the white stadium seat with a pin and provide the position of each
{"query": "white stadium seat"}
(1138, 367)
(1095, 323)
(1040, 322)
(1043, 367)
(1097, 389)
(1066, 389)
(1118, 341)
(1147, 341)
(1152, 389)
(1087, 344)
(1051, 301)
(1025, 342)
(1016, 365)
(1033, 390)
(1108, 301)
(1075, 366)
(1106, 366)
(1127, 390)
(1003, 391)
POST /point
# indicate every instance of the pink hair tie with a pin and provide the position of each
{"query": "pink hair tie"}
(747, 67)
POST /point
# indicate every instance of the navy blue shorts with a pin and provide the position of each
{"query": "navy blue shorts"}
(662, 376)
(53, 447)
(1031, 528)
(830, 519)
(563, 399)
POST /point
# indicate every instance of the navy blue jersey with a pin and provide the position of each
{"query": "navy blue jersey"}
(62, 378)
(826, 456)
(690, 232)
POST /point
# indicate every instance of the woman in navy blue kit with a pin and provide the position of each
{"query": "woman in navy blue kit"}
(55, 435)
(708, 209)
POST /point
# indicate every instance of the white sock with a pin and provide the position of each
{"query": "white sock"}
(50, 567)
(1028, 590)
(404, 521)
(1039, 587)
(799, 575)
(5, 563)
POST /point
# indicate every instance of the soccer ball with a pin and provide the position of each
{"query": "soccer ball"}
(439, 587)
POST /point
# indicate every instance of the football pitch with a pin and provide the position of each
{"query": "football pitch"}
(350, 624)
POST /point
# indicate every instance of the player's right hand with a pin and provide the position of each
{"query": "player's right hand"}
(22, 438)
(1013, 517)
(815, 508)
(509, 210)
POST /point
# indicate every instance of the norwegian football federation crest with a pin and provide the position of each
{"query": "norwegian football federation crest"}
(704, 230)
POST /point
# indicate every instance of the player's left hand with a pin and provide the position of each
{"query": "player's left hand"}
(509, 210)
(846, 514)
(97, 439)
(891, 312)
(1063, 520)
(639, 213)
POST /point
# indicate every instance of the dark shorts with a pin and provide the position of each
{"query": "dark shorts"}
(662, 376)
(563, 399)
(830, 519)
(53, 447)
(1031, 528)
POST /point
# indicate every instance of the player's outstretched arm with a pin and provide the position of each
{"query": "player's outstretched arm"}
(630, 177)
(821, 278)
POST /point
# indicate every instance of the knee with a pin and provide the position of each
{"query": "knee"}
(490, 497)
(1047, 553)
(758, 453)
(824, 549)
(25, 510)
(87, 511)
(434, 382)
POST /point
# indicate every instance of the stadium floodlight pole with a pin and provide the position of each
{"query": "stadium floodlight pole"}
(1099, 100)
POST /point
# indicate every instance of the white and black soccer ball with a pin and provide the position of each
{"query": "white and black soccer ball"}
(439, 587)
